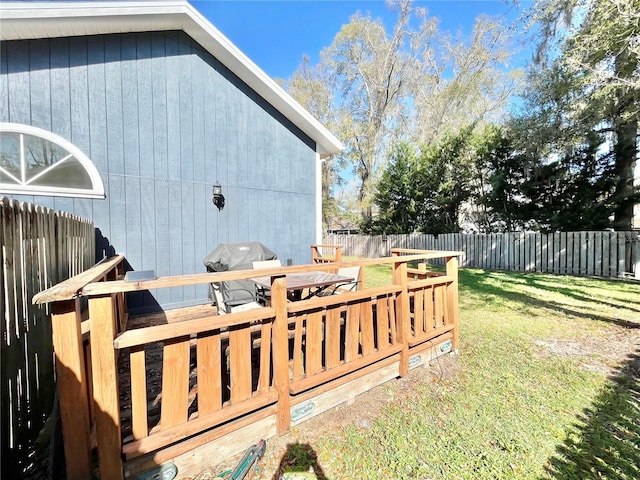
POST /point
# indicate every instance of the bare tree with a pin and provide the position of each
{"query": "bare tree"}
(413, 83)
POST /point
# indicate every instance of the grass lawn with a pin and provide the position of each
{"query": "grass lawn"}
(546, 385)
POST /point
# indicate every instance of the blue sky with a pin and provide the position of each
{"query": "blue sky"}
(275, 34)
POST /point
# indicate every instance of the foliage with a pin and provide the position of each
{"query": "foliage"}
(572, 193)
(443, 183)
(497, 179)
(569, 193)
(423, 191)
(589, 87)
(397, 206)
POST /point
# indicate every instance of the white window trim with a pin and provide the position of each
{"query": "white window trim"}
(97, 190)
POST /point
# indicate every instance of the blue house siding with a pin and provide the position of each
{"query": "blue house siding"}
(163, 121)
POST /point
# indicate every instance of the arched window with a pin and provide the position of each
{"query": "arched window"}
(37, 162)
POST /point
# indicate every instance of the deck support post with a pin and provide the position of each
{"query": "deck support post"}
(452, 298)
(102, 313)
(281, 354)
(403, 313)
(72, 391)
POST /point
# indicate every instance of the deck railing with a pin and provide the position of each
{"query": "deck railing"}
(273, 366)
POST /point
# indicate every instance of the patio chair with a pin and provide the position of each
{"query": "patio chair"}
(351, 286)
(263, 295)
(224, 307)
(258, 264)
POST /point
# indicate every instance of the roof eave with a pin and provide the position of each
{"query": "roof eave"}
(27, 20)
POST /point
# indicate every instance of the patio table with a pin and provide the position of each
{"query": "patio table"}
(296, 283)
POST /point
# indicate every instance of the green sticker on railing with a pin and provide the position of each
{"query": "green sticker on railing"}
(446, 346)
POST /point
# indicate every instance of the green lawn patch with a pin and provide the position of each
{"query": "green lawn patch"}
(546, 387)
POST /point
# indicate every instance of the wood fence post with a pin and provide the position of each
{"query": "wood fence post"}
(105, 386)
(72, 391)
(452, 298)
(281, 355)
(402, 312)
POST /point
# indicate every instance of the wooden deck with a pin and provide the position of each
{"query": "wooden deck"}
(191, 384)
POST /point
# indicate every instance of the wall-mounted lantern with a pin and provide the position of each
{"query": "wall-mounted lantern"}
(218, 197)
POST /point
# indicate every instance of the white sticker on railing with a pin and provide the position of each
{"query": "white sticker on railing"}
(414, 361)
(302, 410)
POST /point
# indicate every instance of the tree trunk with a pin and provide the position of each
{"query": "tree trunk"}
(625, 152)
(626, 143)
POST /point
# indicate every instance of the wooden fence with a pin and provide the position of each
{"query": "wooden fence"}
(600, 254)
(39, 248)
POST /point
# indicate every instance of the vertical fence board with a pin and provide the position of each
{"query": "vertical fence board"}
(577, 253)
(588, 250)
(506, 262)
(635, 255)
(569, 264)
(620, 251)
(562, 267)
(602, 254)
(555, 259)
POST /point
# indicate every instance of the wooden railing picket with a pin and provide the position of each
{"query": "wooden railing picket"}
(382, 322)
(209, 365)
(366, 328)
(240, 363)
(139, 421)
(264, 377)
(313, 364)
(175, 379)
(332, 339)
(352, 333)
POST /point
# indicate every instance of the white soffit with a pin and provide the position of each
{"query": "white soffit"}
(30, 20)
